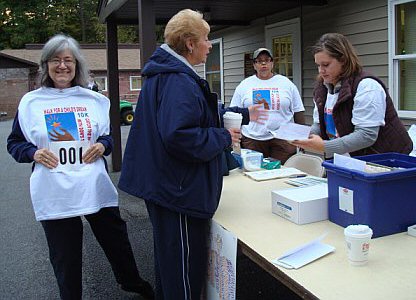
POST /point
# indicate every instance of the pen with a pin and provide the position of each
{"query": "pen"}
(298, 176)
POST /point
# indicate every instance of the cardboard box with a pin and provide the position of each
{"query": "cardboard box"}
(383, 201)
(302, 205)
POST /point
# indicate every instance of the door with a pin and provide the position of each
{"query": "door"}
(283, 39)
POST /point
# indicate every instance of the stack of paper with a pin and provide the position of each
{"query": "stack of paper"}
(292, 132)
(303, 255)
(275, 173)
(360, 165)
(306, 181)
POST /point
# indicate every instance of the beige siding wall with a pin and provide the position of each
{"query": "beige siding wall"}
(363, 22)
(200, 69)
(237, 42)
(365, 25)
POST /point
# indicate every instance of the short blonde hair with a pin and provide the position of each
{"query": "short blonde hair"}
(186, 24)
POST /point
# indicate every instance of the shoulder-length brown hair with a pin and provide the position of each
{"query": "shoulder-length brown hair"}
(339, 47)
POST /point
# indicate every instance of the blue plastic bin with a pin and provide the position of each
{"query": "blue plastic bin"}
(384, 201)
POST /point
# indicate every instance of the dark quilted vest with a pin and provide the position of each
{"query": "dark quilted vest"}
(392, 137)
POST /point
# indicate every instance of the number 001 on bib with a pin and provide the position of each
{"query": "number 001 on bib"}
(69, 155)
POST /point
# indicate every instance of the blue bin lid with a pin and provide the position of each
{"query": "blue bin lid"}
(405, 164)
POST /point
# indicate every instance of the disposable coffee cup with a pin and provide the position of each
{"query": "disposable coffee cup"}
(357, 238)
(233, 120)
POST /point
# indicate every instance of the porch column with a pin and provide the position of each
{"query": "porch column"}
(113, 92)
(147, 30)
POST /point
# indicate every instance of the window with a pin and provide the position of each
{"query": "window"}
(402, 56)
(214, 70)
(283, 58)
(102, 83)
(248, 64)
(135, 83)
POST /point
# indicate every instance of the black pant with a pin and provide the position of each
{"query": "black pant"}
(181, 254)
(64, 238)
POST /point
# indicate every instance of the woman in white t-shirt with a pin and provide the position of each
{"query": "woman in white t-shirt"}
(64, 129)
(280, 98)
(353, 111)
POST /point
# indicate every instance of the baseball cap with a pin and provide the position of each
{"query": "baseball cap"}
(261, 50)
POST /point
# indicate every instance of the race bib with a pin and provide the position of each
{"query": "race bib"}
(69, 154)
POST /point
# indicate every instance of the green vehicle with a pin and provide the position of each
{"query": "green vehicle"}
(126, 112)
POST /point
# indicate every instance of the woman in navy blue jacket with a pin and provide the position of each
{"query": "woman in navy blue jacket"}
(173, 155)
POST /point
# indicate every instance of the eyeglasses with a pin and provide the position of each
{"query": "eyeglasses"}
(57, 62)
(260, 62)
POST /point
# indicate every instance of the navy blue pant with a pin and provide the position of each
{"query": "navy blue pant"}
(181, 254)
(64, 238)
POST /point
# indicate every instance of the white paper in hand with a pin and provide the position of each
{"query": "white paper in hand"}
(292, 131)
(69, 154)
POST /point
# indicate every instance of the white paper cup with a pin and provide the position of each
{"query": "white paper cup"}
(232, 120)
(357, 238)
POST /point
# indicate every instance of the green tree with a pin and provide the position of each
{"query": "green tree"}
(22, 22)
(34, 21)
(128, 34)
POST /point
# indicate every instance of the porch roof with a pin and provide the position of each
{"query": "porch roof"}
(216, 12)
(148, 13)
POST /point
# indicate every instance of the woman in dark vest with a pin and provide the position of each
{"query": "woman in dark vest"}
(353, 111)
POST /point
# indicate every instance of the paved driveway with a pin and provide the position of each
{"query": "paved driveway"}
(25, 270)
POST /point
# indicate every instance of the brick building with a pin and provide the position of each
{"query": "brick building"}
(19, 69)
(17, 77)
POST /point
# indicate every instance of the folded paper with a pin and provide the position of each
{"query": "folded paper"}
(304, 254)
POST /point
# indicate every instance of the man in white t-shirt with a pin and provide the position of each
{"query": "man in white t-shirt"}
(280, 98)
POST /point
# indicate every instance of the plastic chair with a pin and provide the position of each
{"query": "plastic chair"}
(310, 164)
